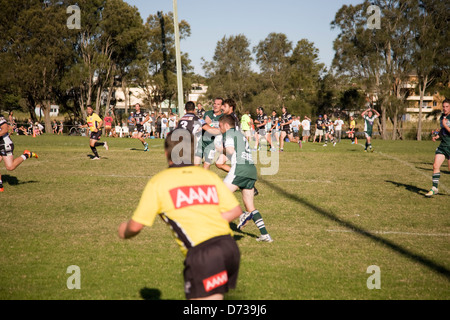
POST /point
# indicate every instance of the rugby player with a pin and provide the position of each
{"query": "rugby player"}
(443, 151)
(210, 131)
(198, 207)
(241, 174)
(94, 123)
(7, 149)
(138, 119)
(286, 120)
(369, 120)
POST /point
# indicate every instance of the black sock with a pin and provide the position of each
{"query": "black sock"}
(98, 144)
(94, 150)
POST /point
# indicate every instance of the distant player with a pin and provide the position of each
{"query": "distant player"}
(138, 119)
(352, 129)
(443, 151)
(198, 207)
(7, 149)
(260, 122)
(369, 119)
(94, 123)
(241, 174)
(286, 120)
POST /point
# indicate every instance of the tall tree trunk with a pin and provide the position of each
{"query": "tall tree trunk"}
(422, 88)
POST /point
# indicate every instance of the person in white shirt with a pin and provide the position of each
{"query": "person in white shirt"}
(306, 124)
(338, 123)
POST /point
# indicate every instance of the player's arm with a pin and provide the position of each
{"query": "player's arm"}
(232, 214)
(129, 229)
(445, 124)
(211, 130)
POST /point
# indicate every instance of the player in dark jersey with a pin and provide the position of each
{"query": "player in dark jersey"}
(285, 122)
(260, 121)
(138, 119)
(443, 151)
(273, 132)
(193, 124)
(7, 149)
(200, 111)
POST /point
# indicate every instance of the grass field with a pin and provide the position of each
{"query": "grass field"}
(332, 212)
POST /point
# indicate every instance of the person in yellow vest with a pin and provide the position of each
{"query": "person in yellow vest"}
(198, 207)
(351, 129)
(94, 123)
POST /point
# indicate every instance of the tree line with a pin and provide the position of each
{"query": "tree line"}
(43, 62)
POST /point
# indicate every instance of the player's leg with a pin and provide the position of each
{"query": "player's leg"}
(248, 197)
(438, 161)
(1, 182)
(11, 163)
(282, 137)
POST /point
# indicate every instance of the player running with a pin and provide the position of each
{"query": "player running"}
(94, 123)
(241, 174)
(443, 151)
(369, 120)
(193, 124)
(198, 207)
(138, 119)
(286, 120)
(7, 149)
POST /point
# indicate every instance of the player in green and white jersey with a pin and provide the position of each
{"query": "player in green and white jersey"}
(443, 151)
(369, 119)
(242, 173)
(209, 133)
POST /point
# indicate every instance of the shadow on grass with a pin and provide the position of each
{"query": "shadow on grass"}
(13, 181)
(409, 187)
(150, 294)
(433, 266)
(241, 234)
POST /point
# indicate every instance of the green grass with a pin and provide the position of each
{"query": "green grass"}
(332, 212)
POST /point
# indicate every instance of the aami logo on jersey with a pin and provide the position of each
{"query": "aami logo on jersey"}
(194, 195)
(215, 281)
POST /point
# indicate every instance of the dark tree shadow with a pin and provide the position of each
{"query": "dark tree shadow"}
(424, 261)
(150, 294)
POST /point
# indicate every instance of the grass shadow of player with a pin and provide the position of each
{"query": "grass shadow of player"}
(391, 245)
(135, 149)
(409, 187)
(13, 181)
(150, 294)
(91, 156)
(239, 234)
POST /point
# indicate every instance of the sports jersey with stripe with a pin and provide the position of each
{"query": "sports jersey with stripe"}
(368, 124)
(140, 117)
(93, 122)
(6, 144)
(190, 200)
(241, 161)
(261, 118)
(443, 133)
(285, 118)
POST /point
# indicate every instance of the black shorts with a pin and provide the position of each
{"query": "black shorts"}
(96, 135)
(211, 267)
(140, 128)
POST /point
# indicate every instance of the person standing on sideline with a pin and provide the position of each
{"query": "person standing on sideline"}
(369, 120)
(338, 123)
(242, 173)
(138, 119)
(94, 123)
(352, 129)
(246, 122)
(7, 149)
(443, 151)
(108, 120)
(198, 208)
(306, 132)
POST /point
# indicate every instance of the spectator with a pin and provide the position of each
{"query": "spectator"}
(164, 126)
(306, 125)
(108, 120)
(246, 121)
(55, 127)
(338, 128)
(172, 122)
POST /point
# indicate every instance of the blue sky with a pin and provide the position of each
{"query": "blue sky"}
(210, 20)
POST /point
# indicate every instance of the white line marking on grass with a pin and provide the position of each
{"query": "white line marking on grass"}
(441, 185)
(396, 232)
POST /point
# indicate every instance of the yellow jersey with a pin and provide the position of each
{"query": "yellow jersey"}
(190, 200)
(352, 124)
(93, 122)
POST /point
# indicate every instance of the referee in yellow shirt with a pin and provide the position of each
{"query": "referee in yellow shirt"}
(198, 207)
(94, 122)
